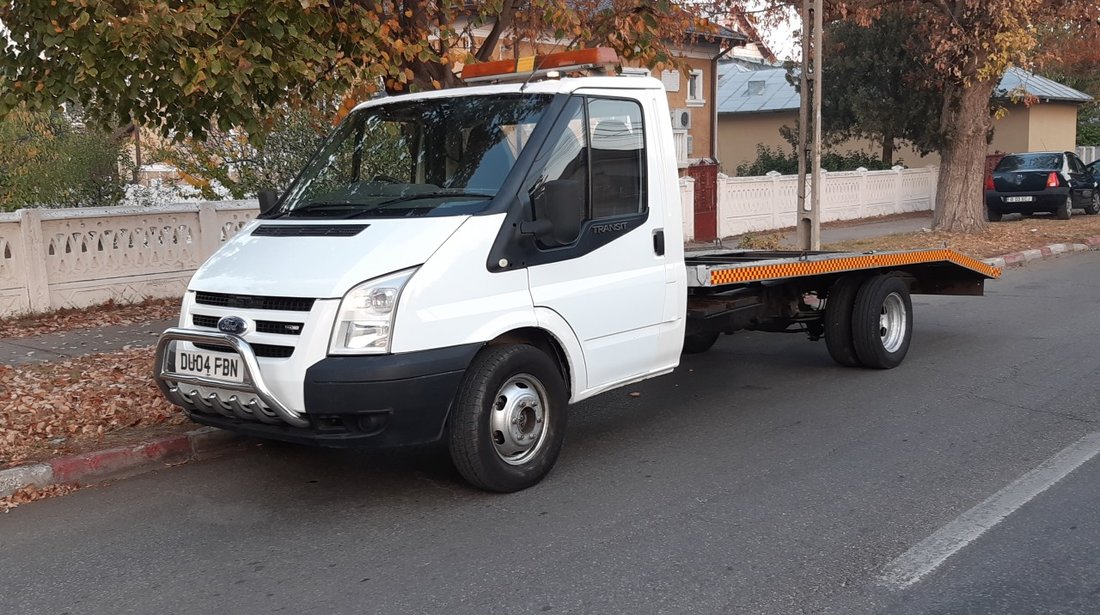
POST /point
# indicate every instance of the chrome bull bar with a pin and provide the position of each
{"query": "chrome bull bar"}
(169, 381)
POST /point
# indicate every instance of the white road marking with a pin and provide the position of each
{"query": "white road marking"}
(929, 553)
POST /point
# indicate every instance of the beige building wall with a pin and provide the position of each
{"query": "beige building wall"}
(740, 133)
(1040, 127)
(1053, 127)
(1010, 132)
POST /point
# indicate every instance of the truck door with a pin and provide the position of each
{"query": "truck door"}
(609, 281)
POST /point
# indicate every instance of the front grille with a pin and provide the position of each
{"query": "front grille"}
(254, 302)
(270, 351)
(309, 230)
(262, 326)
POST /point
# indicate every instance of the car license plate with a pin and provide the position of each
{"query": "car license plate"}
(1019, 199)
(210, 365)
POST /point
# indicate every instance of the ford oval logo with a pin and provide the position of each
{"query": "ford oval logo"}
(232, 324)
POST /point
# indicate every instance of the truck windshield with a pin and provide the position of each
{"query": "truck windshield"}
(433, 157)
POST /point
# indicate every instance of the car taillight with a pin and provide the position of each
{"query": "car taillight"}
(989, 183)
(1053, 181)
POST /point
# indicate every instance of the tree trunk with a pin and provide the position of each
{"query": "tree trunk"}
(965, 122)
(888, 150)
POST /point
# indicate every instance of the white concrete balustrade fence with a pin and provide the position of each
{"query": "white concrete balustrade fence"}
(73, 258)
(751, 204)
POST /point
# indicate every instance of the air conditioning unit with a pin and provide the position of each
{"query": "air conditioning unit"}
(681, 119)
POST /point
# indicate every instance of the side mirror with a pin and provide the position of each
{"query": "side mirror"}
(559, 212)
(268, 198)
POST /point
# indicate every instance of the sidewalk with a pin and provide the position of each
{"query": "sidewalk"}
(854, 229)
(78, 342)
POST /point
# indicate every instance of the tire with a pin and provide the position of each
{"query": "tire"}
(882, 322)
(1065, 210)
(1093, 207)
(508, 421)
(696, 343)
(993, 216)
(838, 321)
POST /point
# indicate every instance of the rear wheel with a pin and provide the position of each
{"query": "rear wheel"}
(993, 215)
(1093, 207)
(838, 321)
(1065, 209)
(882, 322)
(695, 343)
(508, 421)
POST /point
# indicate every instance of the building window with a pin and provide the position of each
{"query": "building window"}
(695, 96)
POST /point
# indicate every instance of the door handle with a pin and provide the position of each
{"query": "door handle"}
(659, 241)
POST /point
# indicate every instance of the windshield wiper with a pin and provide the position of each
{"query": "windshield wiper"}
(435, 194)
(318, 205)
(421, 196)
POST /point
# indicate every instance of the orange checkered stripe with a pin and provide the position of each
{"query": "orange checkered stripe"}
(842, 263)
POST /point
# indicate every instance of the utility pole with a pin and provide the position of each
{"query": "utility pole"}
(809, 129)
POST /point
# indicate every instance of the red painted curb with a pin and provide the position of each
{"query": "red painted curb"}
(1019, 258)
(118, 461)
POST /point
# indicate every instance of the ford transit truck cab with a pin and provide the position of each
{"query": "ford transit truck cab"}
(464, 264)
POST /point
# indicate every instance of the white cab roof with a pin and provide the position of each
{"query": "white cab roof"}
(545, 86)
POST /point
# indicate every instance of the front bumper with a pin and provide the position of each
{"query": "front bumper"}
(356, 401)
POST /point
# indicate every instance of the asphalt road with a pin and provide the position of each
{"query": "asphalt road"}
(758, 478)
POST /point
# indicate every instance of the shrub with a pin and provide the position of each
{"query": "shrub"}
(768, 159)
(50, 160)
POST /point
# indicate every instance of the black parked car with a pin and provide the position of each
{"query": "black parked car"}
(1055, 182)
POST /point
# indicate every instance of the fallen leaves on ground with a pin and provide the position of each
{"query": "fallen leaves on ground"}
(997, 239)
(53, 408)
(104, 315)
(32, 493)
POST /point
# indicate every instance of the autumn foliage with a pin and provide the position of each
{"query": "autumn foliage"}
(181, 66)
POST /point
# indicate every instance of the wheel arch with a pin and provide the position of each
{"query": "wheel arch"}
(548, 343)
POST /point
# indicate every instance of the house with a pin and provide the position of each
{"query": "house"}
(754, 105)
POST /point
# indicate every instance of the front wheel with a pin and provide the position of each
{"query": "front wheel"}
(508, 420)
(1065, 209)
(695, 343)
(1093, 207)
(882, 322)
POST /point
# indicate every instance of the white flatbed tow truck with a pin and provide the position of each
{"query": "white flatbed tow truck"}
(462, 265)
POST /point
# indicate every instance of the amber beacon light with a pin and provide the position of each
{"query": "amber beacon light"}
(597, 58)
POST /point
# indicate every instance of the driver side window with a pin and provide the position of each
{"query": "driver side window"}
(594, 168)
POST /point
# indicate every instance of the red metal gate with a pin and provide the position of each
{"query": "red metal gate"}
(705, 175)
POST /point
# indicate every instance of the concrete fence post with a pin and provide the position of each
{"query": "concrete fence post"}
(861, 193)
(210, 231)
(898, 185)
(776, 205)
(34, 251)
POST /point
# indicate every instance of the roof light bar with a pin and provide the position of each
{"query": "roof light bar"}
(522, 68)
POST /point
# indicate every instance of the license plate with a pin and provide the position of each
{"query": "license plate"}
(1019, 199)
(209, 364)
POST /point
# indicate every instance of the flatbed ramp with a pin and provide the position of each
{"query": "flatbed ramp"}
(943, 271)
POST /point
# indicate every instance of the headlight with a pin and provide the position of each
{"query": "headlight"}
(365, 320)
